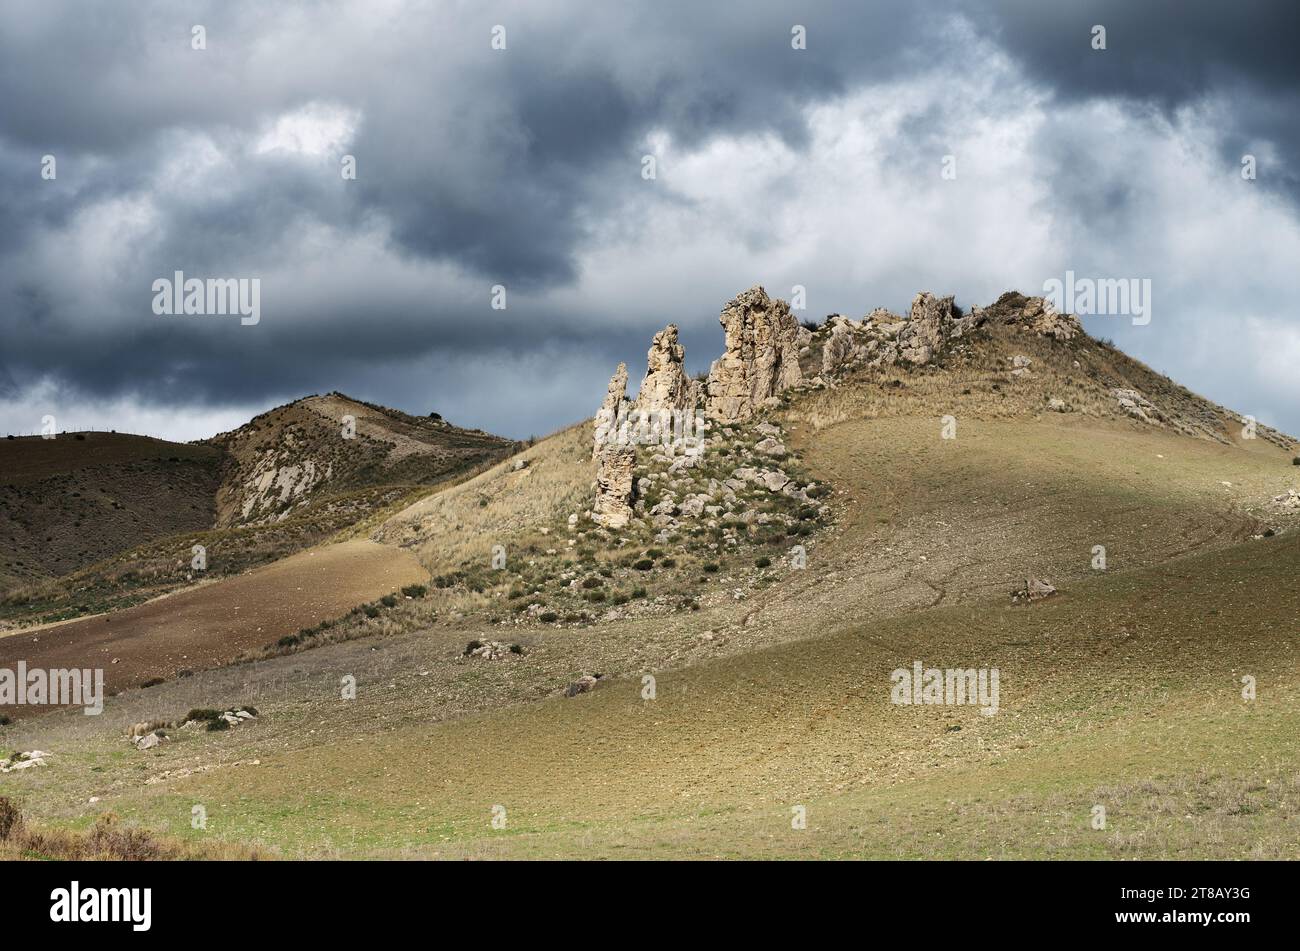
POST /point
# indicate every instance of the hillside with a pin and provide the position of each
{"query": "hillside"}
(78, 498)
(885, 506)
(98, 522)
(281, 460)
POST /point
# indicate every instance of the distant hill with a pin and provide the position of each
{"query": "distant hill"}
(284, 458)
(96, 521)
(72, 500)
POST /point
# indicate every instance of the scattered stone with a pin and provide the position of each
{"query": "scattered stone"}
(24, 761)
(583, 684)
(491, 650)
(1035, 589)
(150, 740)
(1136, 405)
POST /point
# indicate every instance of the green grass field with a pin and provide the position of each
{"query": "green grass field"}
(1124, 691)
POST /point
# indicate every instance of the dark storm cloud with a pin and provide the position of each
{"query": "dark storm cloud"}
(1170, 53)
(477, 167)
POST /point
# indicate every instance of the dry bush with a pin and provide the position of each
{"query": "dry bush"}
(108, 840)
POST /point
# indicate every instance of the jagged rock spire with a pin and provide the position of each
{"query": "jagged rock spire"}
(761, 357)
(666, 385)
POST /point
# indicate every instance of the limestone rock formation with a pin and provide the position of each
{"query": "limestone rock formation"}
(666, 385)
(612, 411)
(923, 336)
(614, 491)
(761, 357)
(1136, 405)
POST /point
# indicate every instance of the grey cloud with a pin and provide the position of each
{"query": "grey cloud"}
(486, 167)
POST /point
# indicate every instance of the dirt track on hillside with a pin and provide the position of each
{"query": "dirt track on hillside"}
(211, 624)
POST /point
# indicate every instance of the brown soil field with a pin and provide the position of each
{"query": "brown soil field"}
(211, 624)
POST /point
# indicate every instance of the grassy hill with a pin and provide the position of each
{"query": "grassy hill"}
(281, 460)
(772, 682)
(97, 521)
(78, 498)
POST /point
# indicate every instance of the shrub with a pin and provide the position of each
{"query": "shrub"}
(289, 640)
(638, 592)
(215, 726)
(668, 563)
(388, 601)
(654, 553)
(620, 598)
(548, 617)
(712, 568)
(152, 682)
(591, 582)
(10, 817)
(763, 562)
(1296, 461)
(370, 610)
(415, 591)
(203, 713)
(471, 647)
(516, 648)
(645, 564)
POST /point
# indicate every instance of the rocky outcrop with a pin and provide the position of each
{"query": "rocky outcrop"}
(925, 333)
(761, 357)
(614, 488)
(1137, 405)
(845, 347)
(612, 411)
(666, 385)
(1031, 314)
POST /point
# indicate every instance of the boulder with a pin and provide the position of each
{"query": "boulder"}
(583, 684)
(1035, 589)
(150, 740)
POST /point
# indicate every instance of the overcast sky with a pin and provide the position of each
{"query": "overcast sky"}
(523, 167)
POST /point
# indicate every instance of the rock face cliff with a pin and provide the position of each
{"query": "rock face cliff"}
(761, 357)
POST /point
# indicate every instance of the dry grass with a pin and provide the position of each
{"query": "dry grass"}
(108, 840)
(976, 381)
(500, 506)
